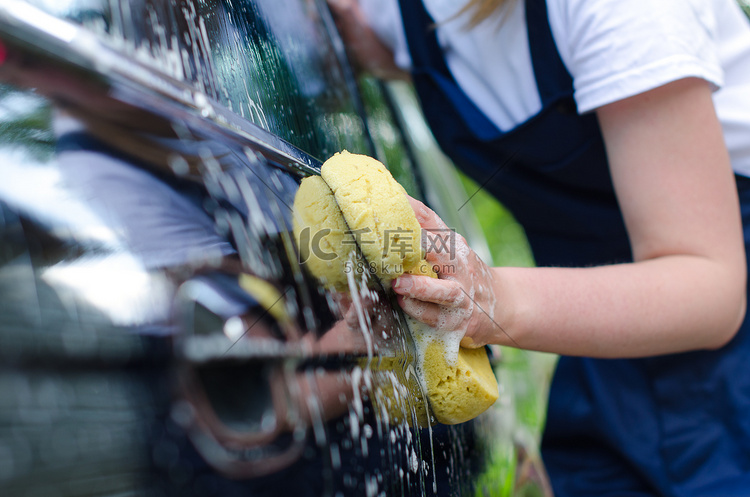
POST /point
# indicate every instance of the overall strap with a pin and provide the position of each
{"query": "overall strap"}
(552, 77)
(553, 80)
(421, 36)
(430, 70)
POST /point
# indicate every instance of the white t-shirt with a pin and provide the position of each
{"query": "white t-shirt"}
(614, 49)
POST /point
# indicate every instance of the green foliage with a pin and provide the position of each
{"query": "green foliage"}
(25, 122)
(498, 478)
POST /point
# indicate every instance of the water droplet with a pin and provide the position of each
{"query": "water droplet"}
(413, 461)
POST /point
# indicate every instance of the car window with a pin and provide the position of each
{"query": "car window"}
(268, 61)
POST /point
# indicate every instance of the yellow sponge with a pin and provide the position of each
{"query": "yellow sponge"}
(459, 382)
(325, 241)
(461, 391)
(375, 207)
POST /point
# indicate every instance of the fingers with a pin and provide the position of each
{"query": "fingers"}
(440, 251)
(428, 299)
(447, 293)
(438, 241)
(425, 312)
(447, 319)
(426, 216)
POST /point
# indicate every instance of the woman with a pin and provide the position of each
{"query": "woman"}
(618, 133)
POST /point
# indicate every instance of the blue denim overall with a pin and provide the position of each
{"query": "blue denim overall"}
(673, 425)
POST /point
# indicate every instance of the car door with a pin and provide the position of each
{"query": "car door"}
(159, 331)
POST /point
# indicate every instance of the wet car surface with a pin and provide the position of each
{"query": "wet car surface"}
(159, 332)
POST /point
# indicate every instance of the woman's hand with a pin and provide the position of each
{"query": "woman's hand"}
(462, 299)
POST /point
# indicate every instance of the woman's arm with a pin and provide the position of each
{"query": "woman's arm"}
(366, 51)
(686, 288)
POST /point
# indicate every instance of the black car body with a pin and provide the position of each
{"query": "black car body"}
(158, 333)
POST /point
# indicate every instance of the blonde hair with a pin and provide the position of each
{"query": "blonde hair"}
(481, 10)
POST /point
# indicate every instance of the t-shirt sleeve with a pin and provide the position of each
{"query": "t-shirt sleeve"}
(384, 17)
(615, 49)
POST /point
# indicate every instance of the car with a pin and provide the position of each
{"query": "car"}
(160, 333)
